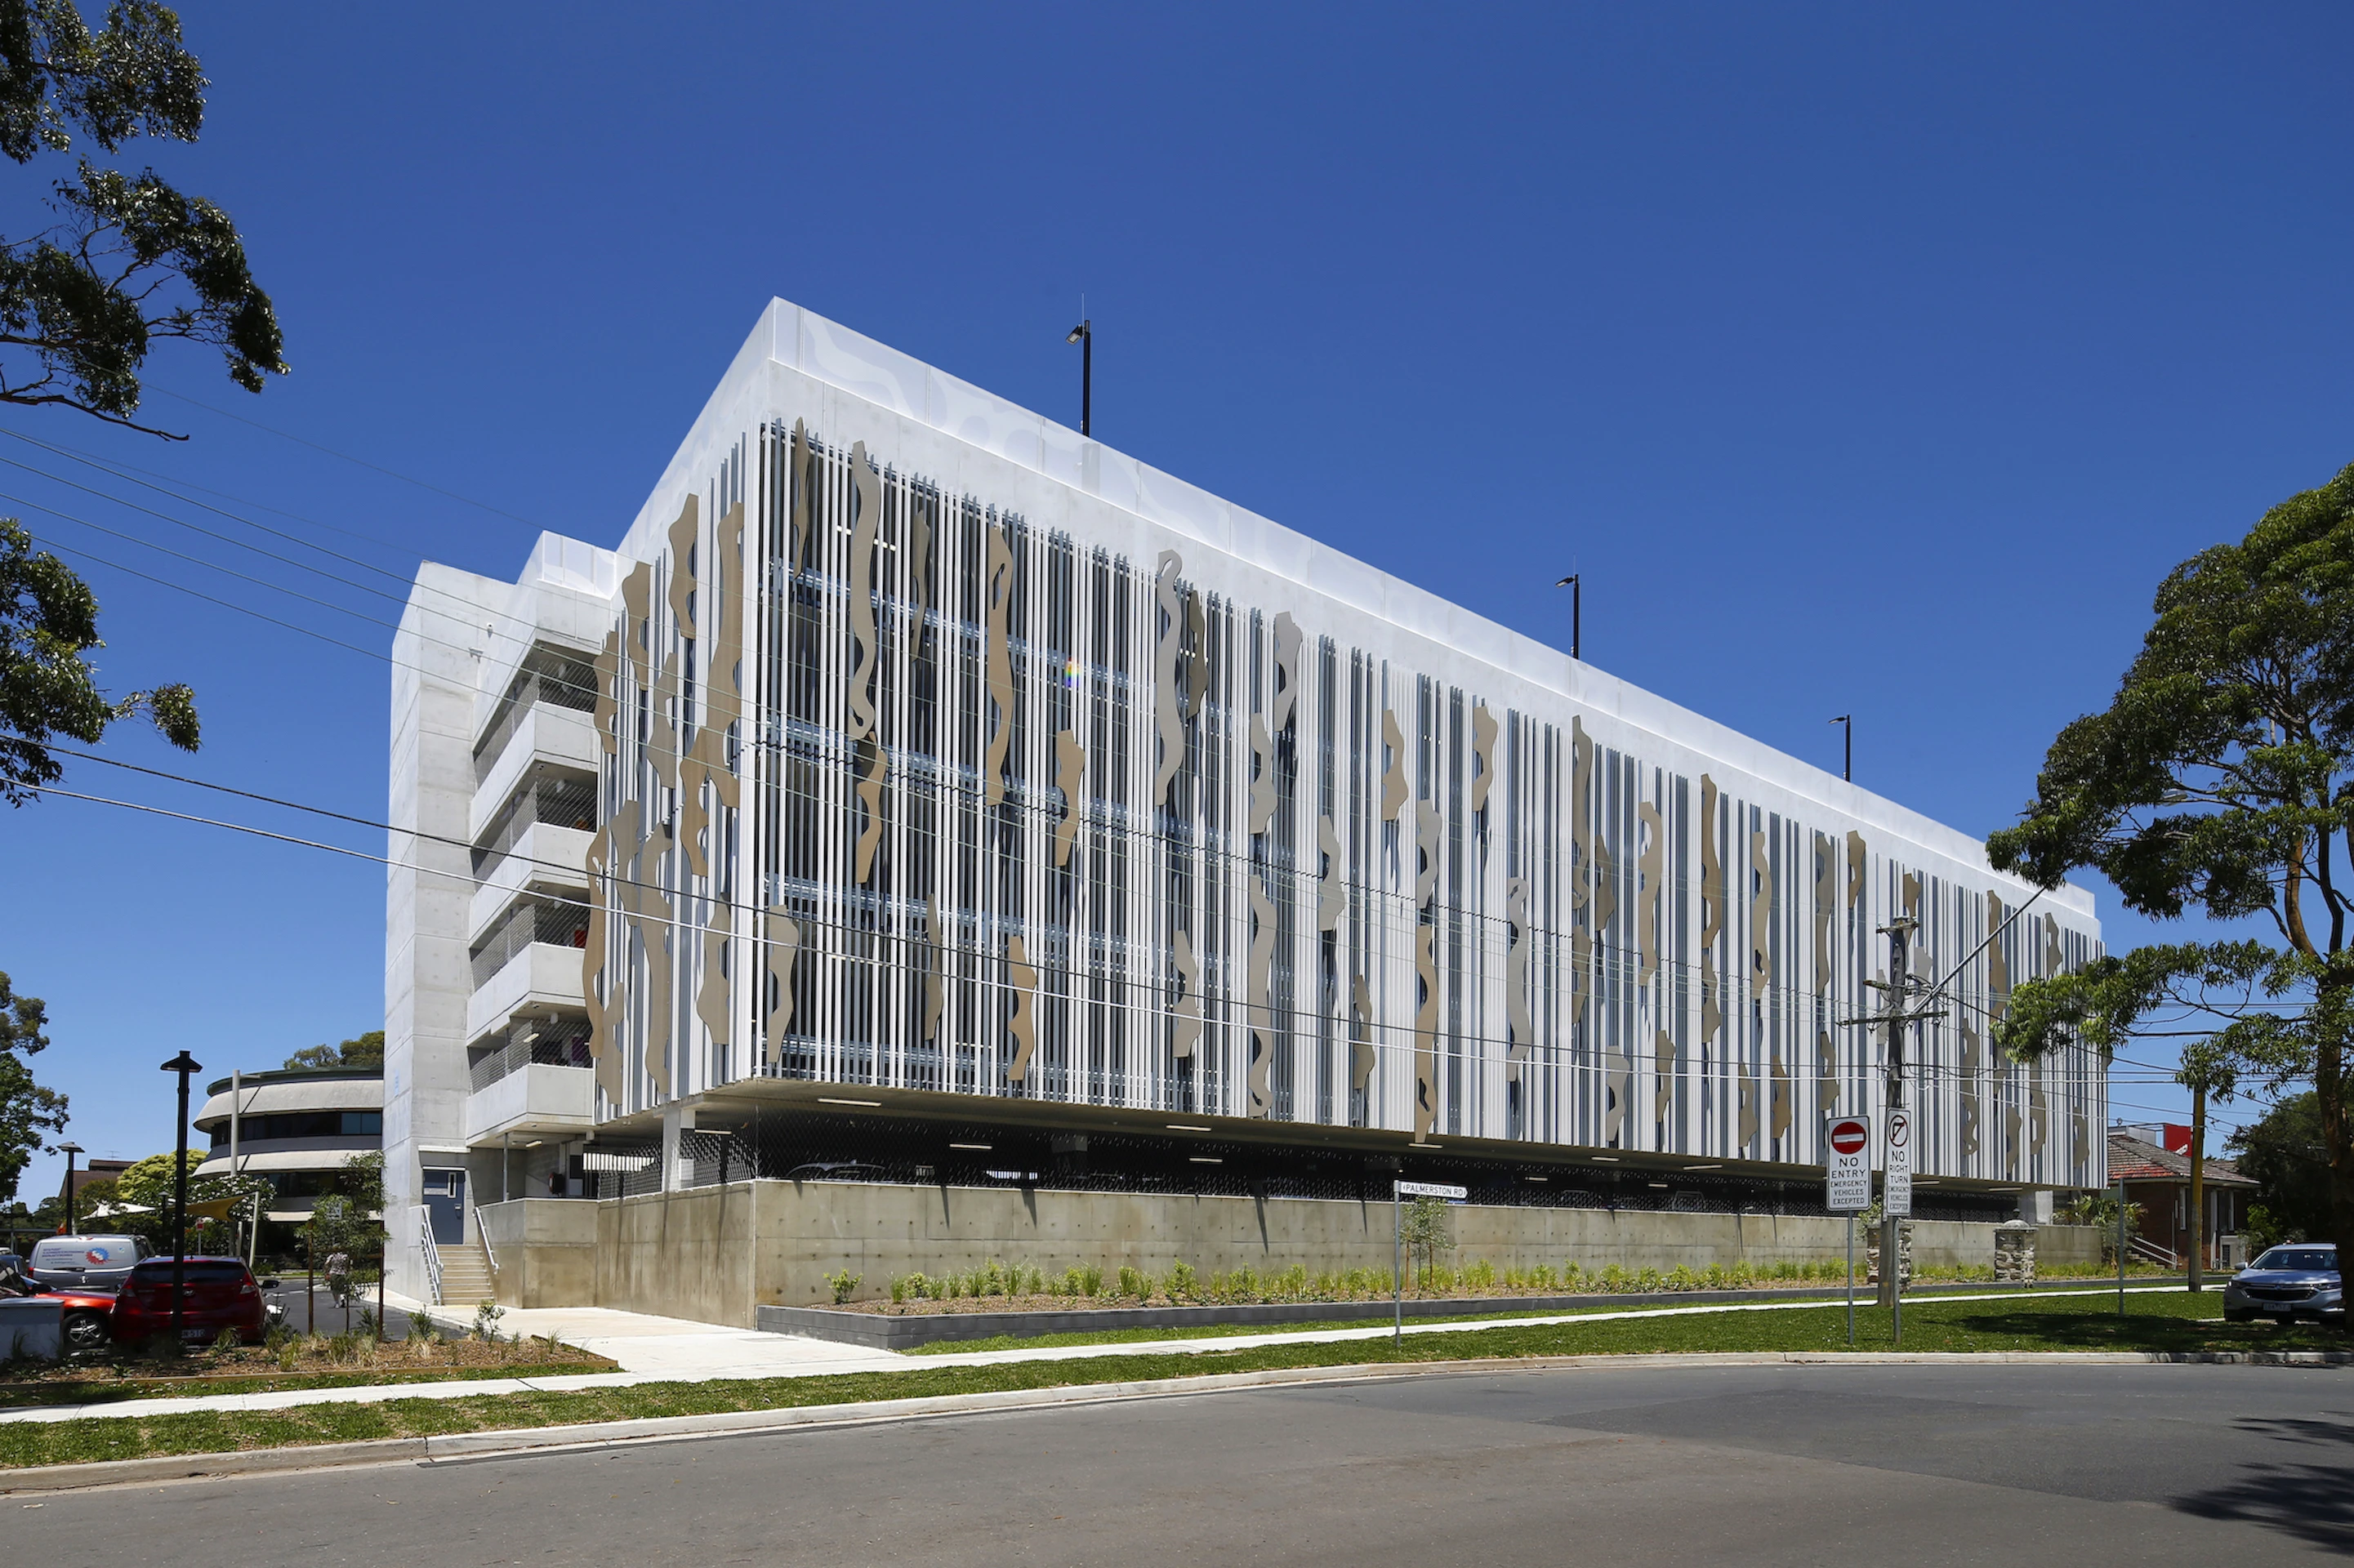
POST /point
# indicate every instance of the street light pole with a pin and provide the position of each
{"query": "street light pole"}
(183, 1064)
(1576, 608)
(1083, 334)
(1847, 767)
(68, 1150)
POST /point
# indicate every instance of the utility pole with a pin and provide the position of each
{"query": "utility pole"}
(1899, 952)
(2198, 1183)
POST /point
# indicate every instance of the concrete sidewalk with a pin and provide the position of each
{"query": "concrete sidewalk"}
(672, 1350)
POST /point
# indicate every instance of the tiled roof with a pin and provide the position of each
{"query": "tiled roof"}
(2133, 1158)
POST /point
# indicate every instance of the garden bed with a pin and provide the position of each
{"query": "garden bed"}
(297, 1361)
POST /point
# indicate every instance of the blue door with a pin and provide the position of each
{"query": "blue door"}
(445, 1204)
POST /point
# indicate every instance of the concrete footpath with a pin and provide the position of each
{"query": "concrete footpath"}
(671, 1350)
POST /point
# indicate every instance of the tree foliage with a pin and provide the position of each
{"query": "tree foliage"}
(28, 1113)
(2220, 782)
(49, 689)
(148, 1184)
(2281, 1153)
(364, 1051)
(126, 259)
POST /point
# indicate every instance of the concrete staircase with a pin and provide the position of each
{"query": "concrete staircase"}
(465, 1275)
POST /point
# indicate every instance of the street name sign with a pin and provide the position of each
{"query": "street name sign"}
(1897, 1179)
(1847, 1164)
(1431, 1190)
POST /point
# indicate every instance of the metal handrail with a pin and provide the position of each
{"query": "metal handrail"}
(2150, 1252)
(482, 1232)
(432, 1253)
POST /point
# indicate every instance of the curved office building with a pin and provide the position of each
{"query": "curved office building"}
(924, 792)
(294, 1129)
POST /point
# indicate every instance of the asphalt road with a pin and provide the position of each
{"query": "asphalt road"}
(1831, 1465)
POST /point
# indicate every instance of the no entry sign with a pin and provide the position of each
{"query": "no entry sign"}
(1847, 1164)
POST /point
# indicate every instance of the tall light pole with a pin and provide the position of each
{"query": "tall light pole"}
(183, 1064)
(1576, 606)
(68, 1150)
(1083, 334)
(1847, 768)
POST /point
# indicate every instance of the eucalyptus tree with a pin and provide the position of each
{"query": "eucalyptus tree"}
(2219, 782)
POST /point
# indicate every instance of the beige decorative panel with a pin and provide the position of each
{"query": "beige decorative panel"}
(1997, 961)
(1185, 1027)
(1858, 868)
(1972, 1086)
(1197, 657)
(1663, 1075)
(783, 945)
(683, 532)
(1394, 786)
(1333, 881)
(1164, 691)
(1023, 1025)
(1071, 778)
(1826, 878)
(997, 587)
(1261, 982)
(1287, 670)
(862, 531)
(874, 771)
(2052, 961)
(1426, 1034)
(1361, 1045)
(1483, 758)
(712, 998)
(1516, 979)
(1650, 880)
(1712, 913)
(1262, 779)
(1826, 1080)
(1779, 1125)
(1746, 1134)
(609, 671)
(1761, 913)
(935, 960)
(797, 551)
(1428, 830)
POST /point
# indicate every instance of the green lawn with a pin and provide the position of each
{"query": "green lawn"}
(2165, 1322)
(22, 1395)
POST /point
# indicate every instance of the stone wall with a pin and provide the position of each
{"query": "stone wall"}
(716, 1254)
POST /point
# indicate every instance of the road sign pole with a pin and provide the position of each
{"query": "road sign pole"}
(1850, 1281)
(1397, 1264)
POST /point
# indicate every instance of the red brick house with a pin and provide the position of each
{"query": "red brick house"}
(2157, 1178)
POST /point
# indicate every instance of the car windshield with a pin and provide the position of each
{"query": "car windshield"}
(2316, 1257)
(84, 1252)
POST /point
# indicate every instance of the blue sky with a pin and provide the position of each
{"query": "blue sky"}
(1862, 359)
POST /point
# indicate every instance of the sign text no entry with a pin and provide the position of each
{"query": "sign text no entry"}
(1847, 1164)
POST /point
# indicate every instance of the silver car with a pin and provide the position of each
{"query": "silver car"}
(2296, 1280)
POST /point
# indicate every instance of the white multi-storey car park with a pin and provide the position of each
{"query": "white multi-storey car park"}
(925, 795)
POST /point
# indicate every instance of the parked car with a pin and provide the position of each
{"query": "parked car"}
(85, 1260)
(216, 1293)
(83, 1309)
(2296, 1280)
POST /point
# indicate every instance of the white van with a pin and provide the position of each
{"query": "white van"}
(102, 1261)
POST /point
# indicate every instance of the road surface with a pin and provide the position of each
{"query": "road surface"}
(1854, 1464)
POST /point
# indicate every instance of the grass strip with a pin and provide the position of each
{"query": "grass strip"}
(2162, 1323)
(1381, 1319)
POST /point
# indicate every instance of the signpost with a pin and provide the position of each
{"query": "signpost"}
(1399, 1192)
(1847, 1185)
(1896, 1204)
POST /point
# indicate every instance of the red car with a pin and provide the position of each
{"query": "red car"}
(216, 1293)
(85, 1315)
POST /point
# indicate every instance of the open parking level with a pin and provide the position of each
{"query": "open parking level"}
(2148, 1464)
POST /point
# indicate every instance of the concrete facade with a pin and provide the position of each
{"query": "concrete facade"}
(719, 1253)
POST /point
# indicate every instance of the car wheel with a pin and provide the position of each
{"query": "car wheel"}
(85, 1332)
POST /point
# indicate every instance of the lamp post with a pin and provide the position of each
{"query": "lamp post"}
(183, 1064)
(68, 1150)
(1847, 768)
(1083, 334)
(1577, 607)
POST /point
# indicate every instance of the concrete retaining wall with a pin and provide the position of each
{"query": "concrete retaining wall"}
(719, 1253)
